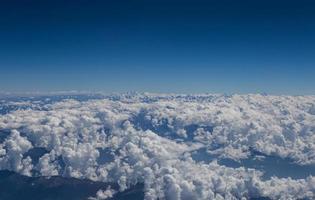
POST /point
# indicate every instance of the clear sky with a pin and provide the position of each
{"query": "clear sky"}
(216, 46)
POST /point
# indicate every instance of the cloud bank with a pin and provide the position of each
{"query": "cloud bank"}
(151, 139)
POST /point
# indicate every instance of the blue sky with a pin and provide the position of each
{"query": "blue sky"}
(158, 46)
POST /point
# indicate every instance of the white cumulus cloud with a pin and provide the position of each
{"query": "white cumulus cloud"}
(150, 139)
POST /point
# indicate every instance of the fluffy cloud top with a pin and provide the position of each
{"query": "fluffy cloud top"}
(150, 139)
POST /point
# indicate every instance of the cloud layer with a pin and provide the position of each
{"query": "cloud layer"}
(151, 139)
